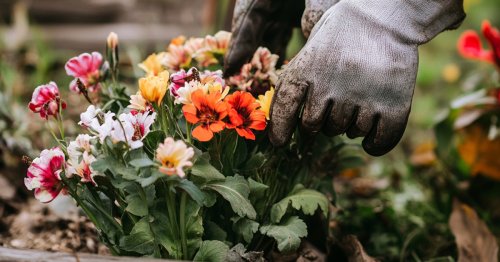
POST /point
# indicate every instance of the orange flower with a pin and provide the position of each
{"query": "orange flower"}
(244, 115)
(207, 110)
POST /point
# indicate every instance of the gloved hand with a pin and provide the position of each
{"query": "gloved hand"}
(357, 72)
(269, 23)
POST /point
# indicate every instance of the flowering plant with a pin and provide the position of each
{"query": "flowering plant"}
(182, 168)
(468, 137)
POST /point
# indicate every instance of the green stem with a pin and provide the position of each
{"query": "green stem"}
(171, 208)
(182, 218)
(188, 132)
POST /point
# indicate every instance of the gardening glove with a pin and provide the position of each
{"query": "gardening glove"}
(356, 73)
(267, 23)
(313, 12)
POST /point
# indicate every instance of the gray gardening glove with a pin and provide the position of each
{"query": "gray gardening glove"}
(356, 73)
(269, 23)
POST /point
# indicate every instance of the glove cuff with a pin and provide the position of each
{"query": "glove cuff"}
(415, 21)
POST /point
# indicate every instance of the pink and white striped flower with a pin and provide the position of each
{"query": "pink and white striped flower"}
(132, 128)
(174, 156)
(85, 67)
(46, 100)
(43, 175)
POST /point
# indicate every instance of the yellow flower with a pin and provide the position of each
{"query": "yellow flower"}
(153, 88)
(152, 64)
(174, 156)
(265, 101)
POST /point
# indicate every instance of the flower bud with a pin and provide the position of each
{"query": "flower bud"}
(112, 40)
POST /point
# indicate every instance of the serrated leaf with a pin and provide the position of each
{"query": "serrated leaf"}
(235, 190)
(245, 227)
(212, 251)
(203, 169)
(140, 239)
(287, 234)
(300, 198)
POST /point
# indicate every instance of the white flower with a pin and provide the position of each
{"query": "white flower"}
(104, 130)
(83, 167)
(174, 156)
(131, 129)
(89, 117)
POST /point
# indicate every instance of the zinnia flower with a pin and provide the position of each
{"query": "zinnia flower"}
(85, 67)
(153, 88)
(469, 45)
(81, 158)
(44, 175)
(46, 100)
(152, 65)
(174, 156)
(214, 48)
(265, 102)
(207, 111)
(138, 104)
(176, 58)
(244, 115)
(131, 129)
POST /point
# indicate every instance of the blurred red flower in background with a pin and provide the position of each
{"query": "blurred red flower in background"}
(469, 45)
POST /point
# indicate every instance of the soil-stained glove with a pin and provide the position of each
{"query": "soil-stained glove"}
(356, 73)
(313, 12)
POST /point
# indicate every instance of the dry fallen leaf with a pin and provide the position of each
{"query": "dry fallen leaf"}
(354, 250)
(424, 155)
(474, 240)
(480, 153)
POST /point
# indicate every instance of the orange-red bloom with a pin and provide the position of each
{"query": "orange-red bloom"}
(208, 111)
(244, 115)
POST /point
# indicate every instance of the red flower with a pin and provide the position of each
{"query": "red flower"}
(44, 175)
(243, 114)
(469, 45)
(493, 37)
(46, 100)
(207, 110)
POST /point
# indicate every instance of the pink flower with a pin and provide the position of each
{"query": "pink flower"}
(85, 67)
(174, 157)
(177, 80)
(44, 175)
(46, 100)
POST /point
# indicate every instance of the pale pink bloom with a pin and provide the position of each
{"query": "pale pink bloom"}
(138, 104)
(131, 129)
(265, 63)
(85, 67)
(83, 168)
(174, 156)
(176, 58)
(209, 85)
(43, 175)
(46, 100)
(212, 77)
(184, 93)
(217, 43)
(193, 45)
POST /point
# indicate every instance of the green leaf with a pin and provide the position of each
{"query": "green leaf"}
(245, 227)
(235, 190)
(194, 227)
(138, 199)
(256, 161)
(195, 193)
(203, 169)
(152, 140)
(212, 251)
(164, 233)
(142, 162)
(300, 198)
(257, 190)
(140, 240)
(287, 234)
(214, 231)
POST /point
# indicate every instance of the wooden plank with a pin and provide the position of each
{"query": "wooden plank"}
(19, 255)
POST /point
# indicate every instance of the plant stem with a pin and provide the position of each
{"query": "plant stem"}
(188, 132)
(182, 219)
(171, 208)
